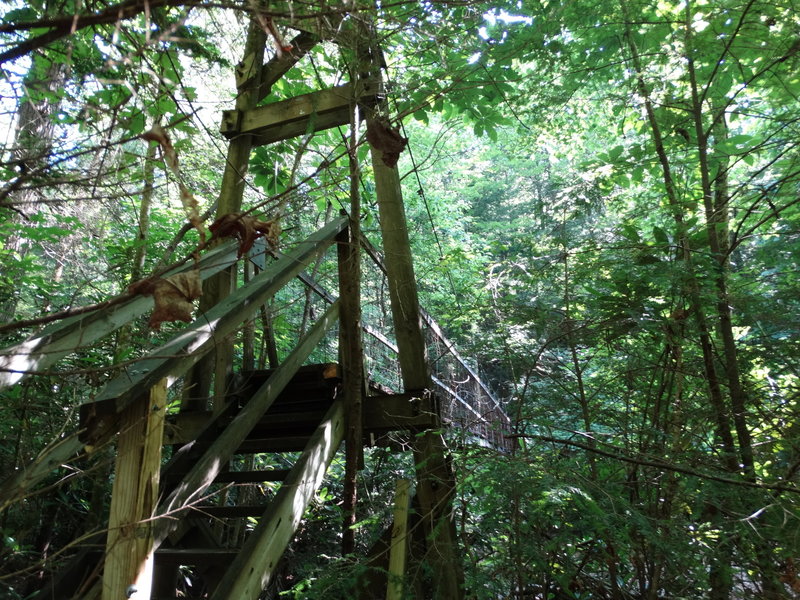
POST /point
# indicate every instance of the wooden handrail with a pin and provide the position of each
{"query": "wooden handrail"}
(59, 339)
(170, 360)
(173, 359)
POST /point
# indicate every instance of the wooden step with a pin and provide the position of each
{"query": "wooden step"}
(292, 443)
(229, 512)
(196, 556)
(252, 476)
(299, 405)
(310, 381)
(312, 415)
(185, 427)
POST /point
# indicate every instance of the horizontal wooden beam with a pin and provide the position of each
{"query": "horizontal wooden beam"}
(293, 117)
(400, 412)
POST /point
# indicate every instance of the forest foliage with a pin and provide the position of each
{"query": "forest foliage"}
(604, 206)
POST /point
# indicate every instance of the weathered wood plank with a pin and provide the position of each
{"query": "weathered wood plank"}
(175, 357)
(206, 469)
(289, 443)
(295, 116)
(60, 339)
(253, 568)
(400, 412)
(129, 546)
(397, 548)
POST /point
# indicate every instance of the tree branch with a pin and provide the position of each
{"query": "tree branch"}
(65, 26)
(657, 464)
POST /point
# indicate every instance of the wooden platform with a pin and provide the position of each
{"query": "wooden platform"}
(295, 413)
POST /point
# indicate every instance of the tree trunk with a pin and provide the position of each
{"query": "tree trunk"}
(33, 142)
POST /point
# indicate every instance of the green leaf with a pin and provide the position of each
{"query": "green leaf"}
(660, 236)
(20, 15)
(630, 232)
(137, 123)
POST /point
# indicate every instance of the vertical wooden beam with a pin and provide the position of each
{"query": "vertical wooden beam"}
(215, 289)
(128, 567)
(397, 546)
(350, 342)
(435, 485)
(400, 275)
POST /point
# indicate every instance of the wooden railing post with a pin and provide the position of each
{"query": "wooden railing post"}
(128, 570)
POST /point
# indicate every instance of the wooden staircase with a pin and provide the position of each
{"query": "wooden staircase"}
(305, 417)
(184, 517)
(303, 426)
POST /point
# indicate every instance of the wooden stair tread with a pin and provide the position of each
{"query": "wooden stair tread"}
(195, 556)
(291, 443)
(252, 476)
(229, 512)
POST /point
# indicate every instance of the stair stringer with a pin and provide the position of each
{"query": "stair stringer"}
(254, 566)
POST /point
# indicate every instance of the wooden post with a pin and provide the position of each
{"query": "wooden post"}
(350, 342)
(400, 275)
(128, 567)
(397, 546)
(248, 79)
(435, 485)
